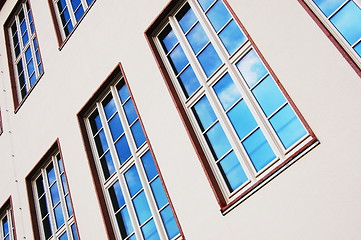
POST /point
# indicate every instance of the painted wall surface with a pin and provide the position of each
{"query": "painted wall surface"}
(318, 197)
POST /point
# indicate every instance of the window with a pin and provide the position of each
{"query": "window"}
(1, 123)
(6, 222)
(342, 19)
(68, 13)
(134, 194)
(246, 126)
(23, 50)
(51, 199)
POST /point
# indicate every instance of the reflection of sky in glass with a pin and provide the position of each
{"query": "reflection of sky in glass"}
(116, 196)
(125, 221)
(62, 237)
(328, 6)
(168, 39)
(358, 48)
(160, 197)
(59, 217)
(123, 92)
(186, 18)
(133, 181)
(5, 225)
(107, 165)
(227, 91)
(217, 140)
(115, 126)
(204, 113)
(242, 119)
(205, 3)
(141, 207)
(218, 15)
(268, 95)
(287, 126)
(251, 68)
(232, 37)
(149, 166)
(348, 22)
(109, 106)
(123, 150)
(178, 59)
(197, 38)
(95, 122)
(233, 171)
(258, 150)
(101, 142)
(189, 81)
(169, 222)
(138, 134)
(209, 60)
(150, 231)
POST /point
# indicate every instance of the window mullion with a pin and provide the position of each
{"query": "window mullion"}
(48, 201)
(71, 12)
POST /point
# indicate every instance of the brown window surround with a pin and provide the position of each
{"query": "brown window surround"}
(17, 100)
(8, 205)
(1, 123)
(55, 148)
(118, 71)
(225, 206)
(330, 36)
(63, 40)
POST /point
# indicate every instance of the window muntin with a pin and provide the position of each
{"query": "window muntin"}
(69, 12)
(52, 201)
(6, 226)
(135, 195)
(245, 123)
(26, 59)
(342, 18)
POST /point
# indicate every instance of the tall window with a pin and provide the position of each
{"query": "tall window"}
(54, 212)
(23, 49)
(342, 18)
(245, 124)
(138, 205)
(6, 223)
(69, 13)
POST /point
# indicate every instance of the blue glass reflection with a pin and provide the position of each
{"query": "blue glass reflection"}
(138, 134)
(107, 165)
(217, 141)
(287, 126)
(242, 119)
(209, 60)
(50, 174)
(178, 59)
(141, 207)
(79, 13)
(65, 185)
(124, 223)
(133, 181)
(116, 127)
(251, 68)
(28, 54)
(232, 171)
(123, 150)
(116, 196)
(197, 38)
(101, 143)
(168, 39)
(149, 166)
(5, 224)
(204, 113)
(59, 217)
(64, 236)
(328, 6)
(158, 192)
(31, 67)
(227, 91)
(186, 18)
(218, 15)
(205, 4)
(95, 122)
(123, 92)
(232, 37)
(109, 106)
(357, 48)
(189, 82)
(268, 96)
(348, 22)
(150, 231)
(75, 4)
(169, 222)
(68, 205)
(74, 232)
(55, 194)
(258, 150)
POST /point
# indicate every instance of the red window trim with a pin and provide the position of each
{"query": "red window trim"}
(222, 201)
(55, 147)
(9, 205)
(118, 70)
(1, 124)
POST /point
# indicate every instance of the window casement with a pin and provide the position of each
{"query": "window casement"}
(6, 222)
(243, 124)
(132, 187)
(68, 14)
(342, 20)
(49, 193)
(25, 62)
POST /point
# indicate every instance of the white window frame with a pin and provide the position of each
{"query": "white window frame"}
(7, 214)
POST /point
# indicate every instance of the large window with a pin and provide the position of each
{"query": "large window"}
(342, 18)
(6, 222)
(246, 126)
(50, 197)
(23, 51)
(68, 13)
(134, 194)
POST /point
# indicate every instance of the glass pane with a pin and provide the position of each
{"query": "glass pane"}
(268, 96)
(5, 226)
(178, 59)
(348, 22)
(218, 15)
(204, 113)
(65, 17)
(107, 165)
(79, 13)
(123, 91)
(130, 111)
(65, 186)
(149, 166)
(232, 37)
(55, 194)
(68, 28)
(95, 122)
(169, 222)
(109, 106)
(158, 192)
(133, 181)
(197, 38)
(358, 48)
(25, 38)
(209, 60)
(141, 207)
(205, 3)
(232, 171)
(23, 27)
(89, 2)
(47, 228)
(28, 54)
(124, 223)
(59, 217)
(61, 5)
(20, 66)
(227, 91)
(328, 6)
(31, 67)
(251, 68)
(51, 174)
(123, 150)
(101, 142)
(242, 119)
(32, 79)
(116, 127)
(287, 126)
(43, 206)
(258, 150)
(60, 163)
(64, 236)
(150, 231)
(68, 205)
(138, 134)
(186, 18)
(217, 141)
(74, 232)
(39, 185)
(116, 196)
(75, 4)
(188, 81)
(168, 39)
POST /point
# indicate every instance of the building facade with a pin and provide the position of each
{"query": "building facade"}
(192, 119)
